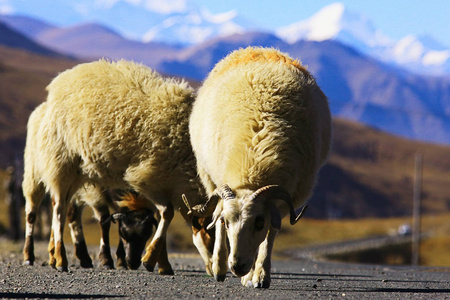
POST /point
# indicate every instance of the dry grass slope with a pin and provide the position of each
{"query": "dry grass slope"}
(371, 173)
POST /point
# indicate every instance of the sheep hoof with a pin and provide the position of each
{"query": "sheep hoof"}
(220, 277)
(86, 265)
(148, 266)
(62, 269)
(166, 271)
(122, 267)
(109, 265)
(28, 263)
(264, 285)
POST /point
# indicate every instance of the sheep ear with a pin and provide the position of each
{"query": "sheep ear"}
(216, 215)
(212, 224)
(275, 217)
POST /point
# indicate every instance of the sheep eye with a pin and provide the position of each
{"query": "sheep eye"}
(259, 223)
(223, 222)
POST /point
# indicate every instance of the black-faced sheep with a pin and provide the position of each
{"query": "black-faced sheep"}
(135, 223)
(113, 125)
(260, 130)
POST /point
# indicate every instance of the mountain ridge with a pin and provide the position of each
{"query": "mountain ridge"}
(359, 87)
(369, 173)
(191, 25)
(11, 38)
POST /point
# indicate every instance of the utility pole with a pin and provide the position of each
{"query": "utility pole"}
(415, 251)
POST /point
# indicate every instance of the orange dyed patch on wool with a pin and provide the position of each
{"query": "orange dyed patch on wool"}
(133, 201)
(249, 55)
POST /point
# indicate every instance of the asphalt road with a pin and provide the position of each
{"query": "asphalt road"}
(291, 279)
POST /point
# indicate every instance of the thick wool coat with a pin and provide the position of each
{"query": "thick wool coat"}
(260, 119)
(116, 125)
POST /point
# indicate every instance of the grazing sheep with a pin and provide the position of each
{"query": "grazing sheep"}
(112, 125)
(131, 211)
(134, 209)
(260, 130)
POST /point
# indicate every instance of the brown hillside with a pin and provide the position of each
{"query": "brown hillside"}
(23, 78)
(370, 173)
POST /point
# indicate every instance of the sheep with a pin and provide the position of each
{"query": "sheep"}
(134, 209)
(131, 211)
(112, 125)
(260, 129)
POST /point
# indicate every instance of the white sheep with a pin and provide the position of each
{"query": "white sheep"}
(133, 234)
(112, 125)
(260, 130)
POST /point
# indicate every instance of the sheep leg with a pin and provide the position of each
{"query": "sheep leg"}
(205, 253)
(99, 200)
(104, 255)
(204, 240)
(158, 242)
(120, 253)
(220, 253)
(34, 193)
(51, 250)
(259, 275)
(101, 212)
(163, 262)
(74, 213)
(58, 222)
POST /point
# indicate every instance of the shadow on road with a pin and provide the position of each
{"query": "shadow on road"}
(54, 296)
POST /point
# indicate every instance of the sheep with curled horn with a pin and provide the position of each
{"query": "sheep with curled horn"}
(260, 130)
(112, 125)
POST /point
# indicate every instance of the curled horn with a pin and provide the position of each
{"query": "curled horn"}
(225, 192)
(201, 210)
(276, 192)
(207, 209)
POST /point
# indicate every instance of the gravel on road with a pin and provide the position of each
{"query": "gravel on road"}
(291, 279)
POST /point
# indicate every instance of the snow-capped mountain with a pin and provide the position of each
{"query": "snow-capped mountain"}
(336, 22)
(175, 22)
(196, 26)
(419, 55)
(188, 24)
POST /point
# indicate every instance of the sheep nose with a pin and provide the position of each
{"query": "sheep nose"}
(133, 264)
(240, 269)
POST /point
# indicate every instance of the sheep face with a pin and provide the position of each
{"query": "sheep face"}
(248, 218)
(135, 228)
(247, 222)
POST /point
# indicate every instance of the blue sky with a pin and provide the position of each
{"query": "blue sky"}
(396, 18)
